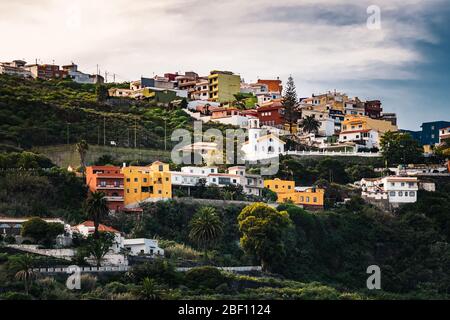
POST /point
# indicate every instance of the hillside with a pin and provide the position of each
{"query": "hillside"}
(41, 113)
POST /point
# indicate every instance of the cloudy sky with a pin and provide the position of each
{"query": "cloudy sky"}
(324, 44)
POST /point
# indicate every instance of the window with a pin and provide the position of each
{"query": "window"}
(128, 179)
(315, 199)
(103, 183)
(145, 179)
(128, 190)
(392, 184)
(307, 199)
(135, 190)
(412, 194)
(392, 193)
(400, 193)
(135, 179)
(402, 184)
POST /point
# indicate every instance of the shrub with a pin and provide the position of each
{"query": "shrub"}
(88, 282)
(159, 269)
(15, 296)
(207, 277)
(181, 251)
(10, 239)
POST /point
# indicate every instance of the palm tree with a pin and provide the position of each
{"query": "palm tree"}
(96, 209)
(149, 290)
(24, 265)
(82, 148)
(206, 228)
(310, 124)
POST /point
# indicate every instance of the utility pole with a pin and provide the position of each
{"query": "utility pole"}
(68, 133)
(106, 76)
(135, 136)
(104, 131)
(114, 77)
(165, 134)
(98, 135)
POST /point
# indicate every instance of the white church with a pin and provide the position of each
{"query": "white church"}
(262, 143)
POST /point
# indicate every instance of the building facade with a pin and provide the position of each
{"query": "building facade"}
(308, 197)
(223, 85)
(108, 180)
(142, 183)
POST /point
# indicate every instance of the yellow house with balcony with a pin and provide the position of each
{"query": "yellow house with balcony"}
(144, 182)
(358, 122)
(223, 85)
(306, 196)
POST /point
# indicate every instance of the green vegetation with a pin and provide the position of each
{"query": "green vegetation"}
(41, 231)
(400, 148)
(41, 113)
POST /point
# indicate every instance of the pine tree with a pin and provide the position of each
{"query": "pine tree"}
(289, 102)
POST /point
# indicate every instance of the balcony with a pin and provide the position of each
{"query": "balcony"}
(110, 187)
(114, 199)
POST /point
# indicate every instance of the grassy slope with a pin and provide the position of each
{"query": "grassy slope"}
(65, 155)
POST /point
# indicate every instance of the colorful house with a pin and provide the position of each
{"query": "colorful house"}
(223, 85)
(109, 180)
(147, 182)
(309, 197)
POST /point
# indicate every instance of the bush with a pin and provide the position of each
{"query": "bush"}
(15, 296)
(159, 269)
(88, 282)
(206, 277)
(10, 239)
(173, 250)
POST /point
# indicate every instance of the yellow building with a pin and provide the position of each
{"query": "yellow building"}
(223, 85)
(153, 181)
(306, 196)
(358, 122)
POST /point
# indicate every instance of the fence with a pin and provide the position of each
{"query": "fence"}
(126, 268)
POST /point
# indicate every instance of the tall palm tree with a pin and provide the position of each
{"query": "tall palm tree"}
(206, 228)
(82, 148)
(24, 265)
(96, 209)
(310, 124)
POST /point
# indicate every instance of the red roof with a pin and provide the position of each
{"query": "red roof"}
(101, 227)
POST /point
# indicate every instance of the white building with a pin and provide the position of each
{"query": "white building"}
(142, 246)
(191, 176)
(201, 90)
(252, 183)
(80, 77)
(87, 228)
(261, 144)
(444, 134)
(15, 68)
(367, 138)
(390, 191)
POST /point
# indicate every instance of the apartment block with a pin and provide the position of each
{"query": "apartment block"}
(109, 180)
(147, 182)
(223, 85)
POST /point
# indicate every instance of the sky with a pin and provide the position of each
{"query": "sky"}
(400, 56)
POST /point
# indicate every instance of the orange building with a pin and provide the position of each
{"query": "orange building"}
(308, 197)
(109, 180)
(273, 85)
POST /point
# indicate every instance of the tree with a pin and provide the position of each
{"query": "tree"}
(101, 92)
(205, 228)
(310, 124)
(41, 231)
(289, 103)
(269, 195)
(96, 209)
(23, 266)
(263, 229)
(99, 247)
(400, 148)
(82, 149)
(149, 290)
